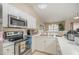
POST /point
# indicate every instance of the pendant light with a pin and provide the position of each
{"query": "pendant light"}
(76, 15)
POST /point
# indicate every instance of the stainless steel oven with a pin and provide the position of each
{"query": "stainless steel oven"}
(21, 47)
(14, 21)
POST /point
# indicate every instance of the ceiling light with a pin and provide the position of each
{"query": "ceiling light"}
(42, 6)
(76, 15)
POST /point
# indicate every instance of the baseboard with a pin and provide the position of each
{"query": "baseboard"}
(33, 51)
(41, 52)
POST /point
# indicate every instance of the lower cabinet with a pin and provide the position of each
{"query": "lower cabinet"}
(8, 50)
(50, 46)
(58, 50)
(44, 43)
(40, 44)
(1, 48)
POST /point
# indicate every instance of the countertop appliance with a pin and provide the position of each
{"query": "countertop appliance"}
(77, 37)
(15, 21)
(71, 35)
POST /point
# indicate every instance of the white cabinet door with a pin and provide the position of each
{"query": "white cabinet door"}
(37, 44)
(7, 9)
(31, 21)
(8, 50)
(5, 13)
(33, 44)
(50, 46)
(11, 9)
(40, 44)
(45, 44)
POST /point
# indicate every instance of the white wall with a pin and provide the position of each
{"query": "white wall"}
(75, 26)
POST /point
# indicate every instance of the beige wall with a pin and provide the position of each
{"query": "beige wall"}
(14, 29)
(68, 22)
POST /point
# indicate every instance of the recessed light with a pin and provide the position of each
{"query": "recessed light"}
(42, 6)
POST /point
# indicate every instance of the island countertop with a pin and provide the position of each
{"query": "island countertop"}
(68, 47)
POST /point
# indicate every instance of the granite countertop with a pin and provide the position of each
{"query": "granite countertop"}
(68, 47)
(8, 43)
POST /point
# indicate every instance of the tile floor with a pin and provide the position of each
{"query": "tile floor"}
(39, 53)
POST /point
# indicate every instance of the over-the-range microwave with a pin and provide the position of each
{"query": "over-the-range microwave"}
(14, 21)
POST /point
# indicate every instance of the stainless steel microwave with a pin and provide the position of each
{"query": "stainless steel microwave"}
(14, 21)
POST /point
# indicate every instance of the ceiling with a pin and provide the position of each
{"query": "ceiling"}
(56, 12)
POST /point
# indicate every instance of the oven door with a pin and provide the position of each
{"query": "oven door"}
(21, 47)
(16, 48)
(24, 47)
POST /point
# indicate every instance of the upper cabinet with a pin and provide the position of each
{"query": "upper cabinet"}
(9, 9)
(31, 22)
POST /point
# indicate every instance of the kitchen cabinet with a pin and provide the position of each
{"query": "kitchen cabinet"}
(12, 10)
(50, 45)
(8, 50)
(34, 42)
(44, 43)
(40, 44)
(58, 50)
(5, 15)
(7, 9)
(31, 22)
(0, 24)
(1, 48)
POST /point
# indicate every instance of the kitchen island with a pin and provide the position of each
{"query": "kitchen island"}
(68, 47)
(46, 44)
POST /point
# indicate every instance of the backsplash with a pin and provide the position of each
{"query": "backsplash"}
(14, 29)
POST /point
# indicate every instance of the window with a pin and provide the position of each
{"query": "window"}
(53, 28)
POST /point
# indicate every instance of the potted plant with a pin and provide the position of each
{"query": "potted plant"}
(61, 26)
